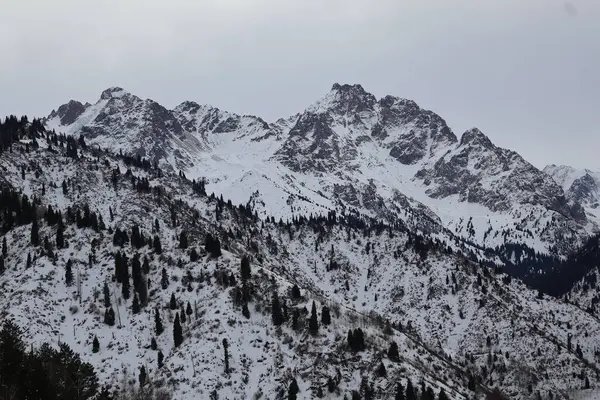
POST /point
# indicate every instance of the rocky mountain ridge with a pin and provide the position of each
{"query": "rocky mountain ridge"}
(386, 158)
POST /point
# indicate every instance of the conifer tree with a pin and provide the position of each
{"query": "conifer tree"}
(183, 241)
(194, 255)
(153, 344)
(164, 280)
(156, 244)
(28, 264)
(313, 324)
(381, 371)
(125, 287)
(189, 310)
(69, 273)
(173, 302)
(95, 345)
(245, 310)
(177, 331)
(226, 351)
(410, 391)
(4, 247)
(142, 376)
(135, 307)
(295, 292)
(393, 352)
(295, 319)
(399, 392)
(443, 395)
(276, 315)
(325, 316)
(160, 359)
(245, 269)
(146, 266)
(35, 233)
(158, 326)
(293, 390)
(60, 235)
(2, 268)
(109, 317)
(182, 314)
(143, 291)
(106, 295)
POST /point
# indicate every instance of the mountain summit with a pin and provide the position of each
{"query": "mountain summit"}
(387, 158)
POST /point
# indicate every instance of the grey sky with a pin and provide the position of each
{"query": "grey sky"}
(526, 72)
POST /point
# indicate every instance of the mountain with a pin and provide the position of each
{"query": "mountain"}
(112, 219)
(581, 186)
(386, 158)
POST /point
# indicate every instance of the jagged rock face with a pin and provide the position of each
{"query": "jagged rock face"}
(347, 150)
(479, 172)
(68, 113)
(584, 189)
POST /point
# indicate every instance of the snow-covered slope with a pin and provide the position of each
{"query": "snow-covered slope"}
(582, 186)
(387, 158)
(453, 320)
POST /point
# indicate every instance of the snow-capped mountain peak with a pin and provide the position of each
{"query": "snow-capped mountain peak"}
(387, 158)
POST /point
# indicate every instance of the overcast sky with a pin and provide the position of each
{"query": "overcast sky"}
(526, 72)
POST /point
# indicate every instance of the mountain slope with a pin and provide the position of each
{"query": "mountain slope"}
(458, 326)
(386, 158)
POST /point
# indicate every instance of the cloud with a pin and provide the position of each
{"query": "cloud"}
(570, 9)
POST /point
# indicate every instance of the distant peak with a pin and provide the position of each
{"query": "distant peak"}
(344, 99)
(474, 136)
(113, 92)
(348, 88)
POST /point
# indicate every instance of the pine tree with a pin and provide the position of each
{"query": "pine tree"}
(69, 273)
(295, 319)
(143, 291)
(106, 295)
(142, 376)
(95, 345)
(182, 314)
(160, 358)
(2, 268)
(245, 269)
(194, 255)
(173, 302)
(381, 371)
(164, 280)
(245, 310)
(29, 262)
(400, 392)
(183, 241)
(146, 266)
(125, 287)
(325, 316)
(177, 331)
(225, 349)
(443, 395)
(295, 292)
(188, 310)
(4, 248)
(313, 324)
(35, 232)
(393, 352)
(293, 390)
(109, 317)
(276, 315)
(153, 344)
(156, 245)
(60, 235)
(410, 391)
(158, 326)
(135, 306)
